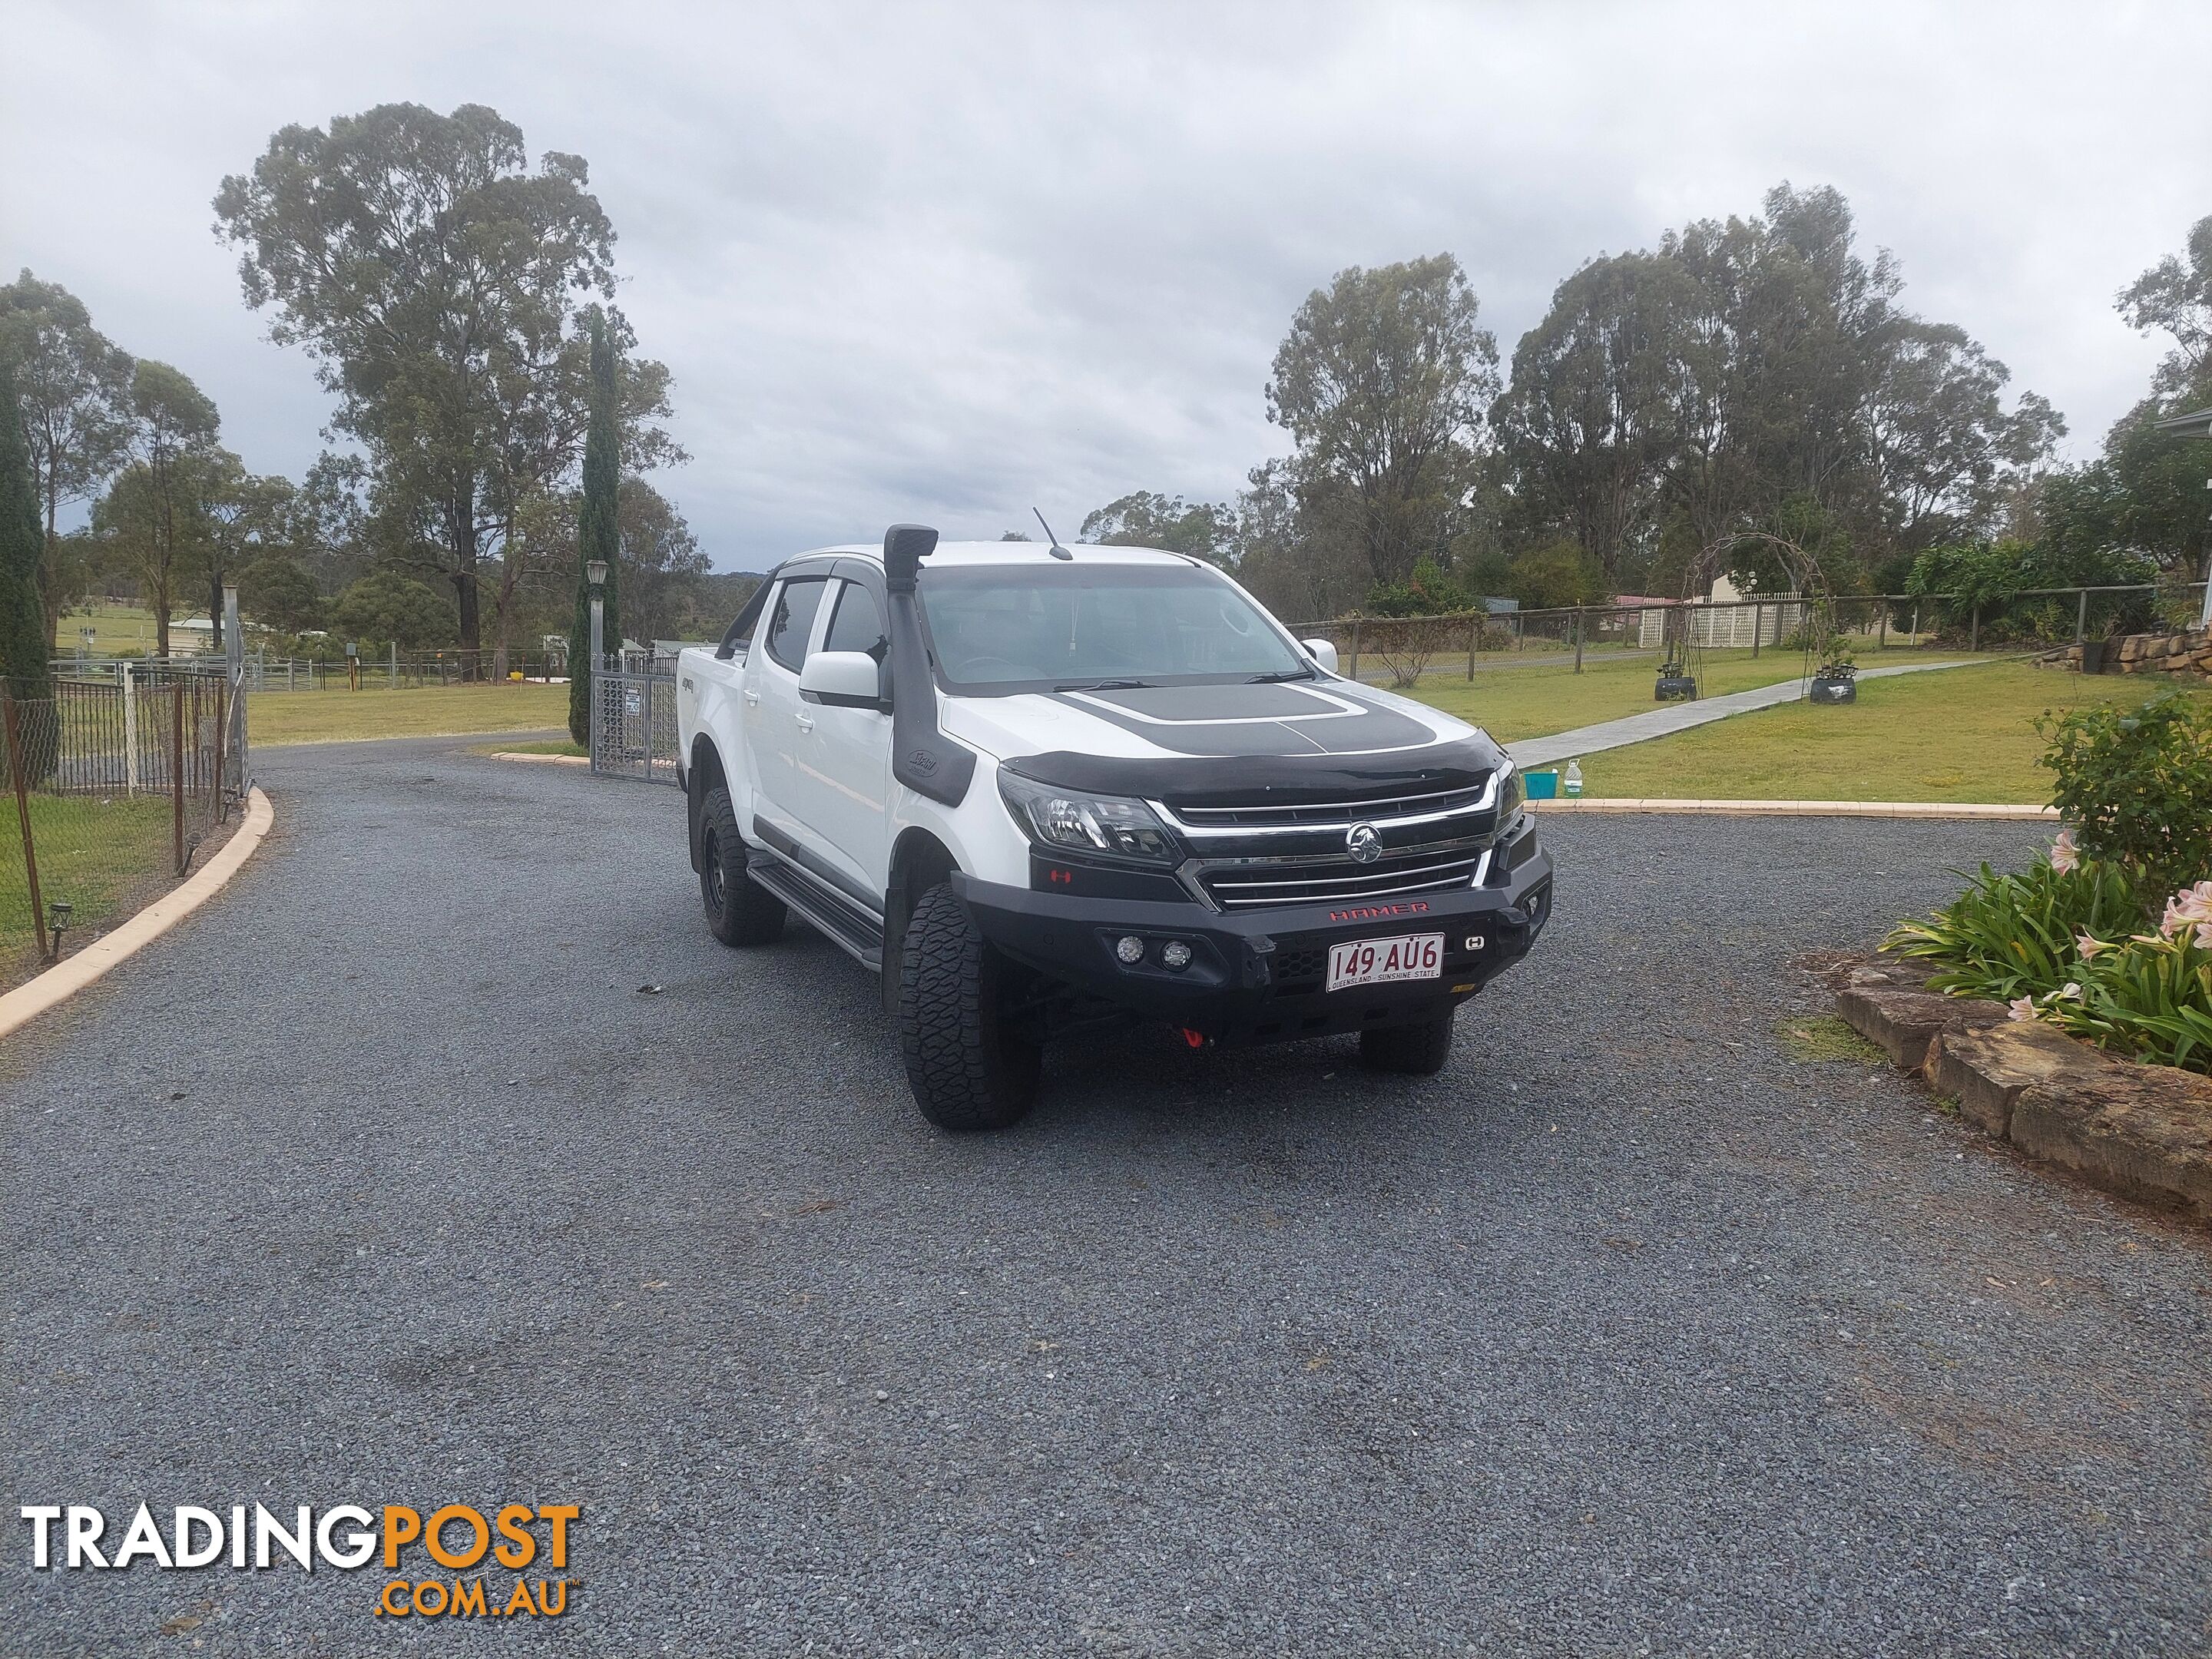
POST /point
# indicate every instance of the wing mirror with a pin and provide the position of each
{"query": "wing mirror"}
(1323, 651)
(843, 679)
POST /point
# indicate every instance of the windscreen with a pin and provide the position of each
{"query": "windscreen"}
(1034, 628)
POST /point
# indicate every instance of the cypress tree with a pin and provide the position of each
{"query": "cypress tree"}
(26, 655)
(596, 536)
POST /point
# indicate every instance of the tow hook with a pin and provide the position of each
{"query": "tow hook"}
(1195, 1039)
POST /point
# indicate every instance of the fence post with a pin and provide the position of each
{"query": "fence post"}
(1354, 675)
(1758, 627)
(129, 733)
(2082, 619)
(177, 771)
(394, 660)
(23, 817)
(1881, 625)
(1473, 641)
(1974, 629)
(1578, 639)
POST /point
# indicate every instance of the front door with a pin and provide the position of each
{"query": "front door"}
(844, 761)
(774, 714)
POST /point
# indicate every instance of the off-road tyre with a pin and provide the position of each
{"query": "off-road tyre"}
(1416, 1050)
(738, 912)
(968, 1070)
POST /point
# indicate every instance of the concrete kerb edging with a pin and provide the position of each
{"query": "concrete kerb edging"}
(1807, 809)
(548, 760)
(2141, 1131)
(26, 1002)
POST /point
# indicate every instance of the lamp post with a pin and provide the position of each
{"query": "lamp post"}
(595, 573)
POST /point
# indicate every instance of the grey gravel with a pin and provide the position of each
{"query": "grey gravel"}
(1625, 1335)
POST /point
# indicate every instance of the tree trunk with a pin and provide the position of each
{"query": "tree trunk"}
(162, 615)
(214, 604)
(49, 573)
(465, 580)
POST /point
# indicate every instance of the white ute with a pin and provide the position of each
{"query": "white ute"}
(1041, 788)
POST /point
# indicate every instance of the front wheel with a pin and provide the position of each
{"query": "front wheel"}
(1416, 1050)
(738, 912)
(968, 1068)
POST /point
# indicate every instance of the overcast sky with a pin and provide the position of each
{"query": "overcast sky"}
(946, 263)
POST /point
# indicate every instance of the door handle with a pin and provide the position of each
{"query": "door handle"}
(751, 695)
(805, 722)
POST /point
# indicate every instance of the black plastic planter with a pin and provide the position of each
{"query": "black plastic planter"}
(1833, 688)
(1675, 688)
(2093, 656)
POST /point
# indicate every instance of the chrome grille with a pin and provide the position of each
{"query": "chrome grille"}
(1256, 854)
(1248, 883)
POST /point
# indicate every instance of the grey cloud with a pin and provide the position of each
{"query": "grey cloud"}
(949, 262)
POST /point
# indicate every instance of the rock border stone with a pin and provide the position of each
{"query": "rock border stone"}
(2143, 1132)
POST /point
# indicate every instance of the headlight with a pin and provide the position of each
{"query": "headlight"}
(1102, 826)
(1509, 791)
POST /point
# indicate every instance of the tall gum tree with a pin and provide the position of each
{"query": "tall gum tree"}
(441, 284)
(74, 384)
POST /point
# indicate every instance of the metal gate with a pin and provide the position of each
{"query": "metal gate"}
(634, 720)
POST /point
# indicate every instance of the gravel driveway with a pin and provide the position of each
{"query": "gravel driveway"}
(381, 1180)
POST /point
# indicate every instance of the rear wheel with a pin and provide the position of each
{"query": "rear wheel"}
(738, 912)
(1417, 1050)
(970, 1069)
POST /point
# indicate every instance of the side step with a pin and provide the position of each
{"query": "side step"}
(829, 913)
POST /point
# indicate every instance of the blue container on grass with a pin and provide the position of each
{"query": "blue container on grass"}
(1542, 786)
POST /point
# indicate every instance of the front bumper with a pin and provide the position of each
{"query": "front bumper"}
(1257, 975)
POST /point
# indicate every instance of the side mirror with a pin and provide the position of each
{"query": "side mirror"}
(843, 679)
(1321, 652)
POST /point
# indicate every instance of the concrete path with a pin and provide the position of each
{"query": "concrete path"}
(1668, 718)
(446, 1158)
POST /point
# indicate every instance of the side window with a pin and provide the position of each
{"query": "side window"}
(740, 634)
(858, 624)
(791, 619)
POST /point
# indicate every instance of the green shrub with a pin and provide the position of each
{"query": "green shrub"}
(2134, 786)
(2009, 936)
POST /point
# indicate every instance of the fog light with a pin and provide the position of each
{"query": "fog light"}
(1176, 954)
(1129, 948)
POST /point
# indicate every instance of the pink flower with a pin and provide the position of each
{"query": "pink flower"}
(2190, 908)
(2087, 946)
(2064, 855)
(2022, 1008)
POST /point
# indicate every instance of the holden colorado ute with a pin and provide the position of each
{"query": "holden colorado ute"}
(1038, 788)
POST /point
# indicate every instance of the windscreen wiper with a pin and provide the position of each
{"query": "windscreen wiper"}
(1279, 676)
(1105, 685)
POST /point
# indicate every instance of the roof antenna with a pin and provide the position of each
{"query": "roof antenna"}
(1055, 550)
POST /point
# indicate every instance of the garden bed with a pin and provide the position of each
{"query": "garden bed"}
(2141, 1131)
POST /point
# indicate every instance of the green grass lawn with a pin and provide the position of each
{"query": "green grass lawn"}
(341, 716)
(116, 628)
(1536, 700)
(1964, 734)
(101, 857)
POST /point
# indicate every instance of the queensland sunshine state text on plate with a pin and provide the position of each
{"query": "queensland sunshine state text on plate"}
(1377, 961)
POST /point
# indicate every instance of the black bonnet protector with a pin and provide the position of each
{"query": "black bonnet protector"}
(1274, 778)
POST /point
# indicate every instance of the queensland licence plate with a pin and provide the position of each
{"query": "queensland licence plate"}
(1377, 961)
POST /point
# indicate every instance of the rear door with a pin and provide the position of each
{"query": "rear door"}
(772, 711)
(844, 760)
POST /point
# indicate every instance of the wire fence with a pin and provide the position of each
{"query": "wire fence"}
(393, 670)
(1400, 650)
(113, 787)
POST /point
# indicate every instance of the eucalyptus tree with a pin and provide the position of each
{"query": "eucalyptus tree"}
(156, 514)
(25, 644)
(1205, 530)
(1383, 382)
(73, 385)
(441, 285)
